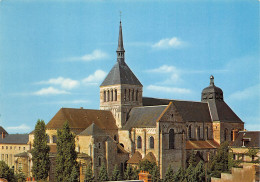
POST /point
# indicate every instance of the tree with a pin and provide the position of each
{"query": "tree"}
(135, 173)
(89, 174)
(199, 172)
(128, 174)
(67, 168)
(220, 162)
(252, 153)
(103, 176)
(6, 172)
(155, 174)
(116, 175)
(40, 152)
(169, 175)
(20, 176)
(179, 175)
(146, 165)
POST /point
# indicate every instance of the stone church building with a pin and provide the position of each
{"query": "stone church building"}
(129, 128)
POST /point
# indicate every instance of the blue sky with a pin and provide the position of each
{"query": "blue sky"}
(56, 53)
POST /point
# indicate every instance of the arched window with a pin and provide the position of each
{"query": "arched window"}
(54, 139)
(108, 96)
(139, 142)
(151, 142)
(198, 132)
(225, 134)
(133, 95)
(115, 94)
(136, 95)
(48, 138)
(129, 95)
(189, 132)
(171, 139)
(99, 161)
(105, 96)
(231, 135)
(207, 133)
(112, 96)
(125, 95)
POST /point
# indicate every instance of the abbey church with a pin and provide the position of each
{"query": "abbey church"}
(129, 128)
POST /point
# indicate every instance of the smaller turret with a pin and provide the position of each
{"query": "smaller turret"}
(211, 92)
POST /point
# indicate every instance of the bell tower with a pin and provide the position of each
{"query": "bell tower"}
(121, 90)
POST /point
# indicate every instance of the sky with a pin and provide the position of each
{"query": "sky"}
(56, 53)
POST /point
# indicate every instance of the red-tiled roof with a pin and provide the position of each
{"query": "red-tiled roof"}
(82, 118)
(201, 144)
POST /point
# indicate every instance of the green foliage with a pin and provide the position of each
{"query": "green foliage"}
(220, 162)
(116, 175)
(6, 172)
(135, 175)
(67, 168)
(20, 177)
(89, 174)
(129, 173)
(146, 165)
(155, 174)
(199, 172)
(192, 159)
(152, 168)
(252, 153)
(169, 175)
(103, 176)
(40, 152)
(179, 175)
(232, 162)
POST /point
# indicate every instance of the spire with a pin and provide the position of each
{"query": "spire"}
(120, 49)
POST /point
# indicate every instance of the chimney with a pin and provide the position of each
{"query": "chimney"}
(145, 176)
(3, 135)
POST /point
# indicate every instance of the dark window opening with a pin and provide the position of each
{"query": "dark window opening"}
(139, 142)
(151, 142)
(171, 139)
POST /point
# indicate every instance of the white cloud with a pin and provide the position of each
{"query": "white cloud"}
(50, 91)
(65, 83)
(95, 55)
(166, 69)
(173, 42)
(22, 127)
(250, 92)
(169, 89)
(98, 76)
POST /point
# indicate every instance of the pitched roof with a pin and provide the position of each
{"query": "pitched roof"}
(121, 74)
(201, 144)
(150, 157)
(2, 130)
(189, 110)
(252, 139)
(15, 139)
(93, 130)
(220, 111)
(136, 157)
(143, 117)
(82, 118)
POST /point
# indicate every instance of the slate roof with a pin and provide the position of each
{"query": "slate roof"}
(252, 138)
(2, 130)
(82, 119)
(143, 117)
(201, 144)
(136, 157)
(220, 111)
(120, 74)
(15, 139)
(93, 130)
(189, 110)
